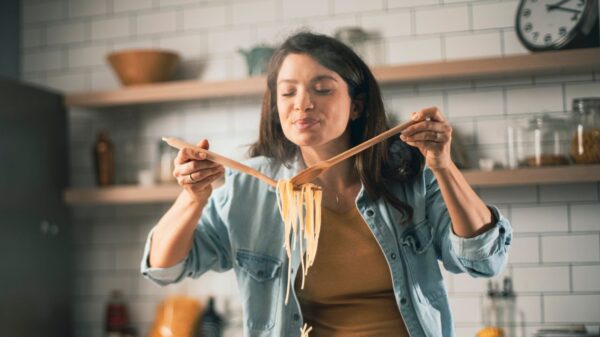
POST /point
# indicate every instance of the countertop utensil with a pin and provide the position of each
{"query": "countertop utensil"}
(309, 174)
(217, 158)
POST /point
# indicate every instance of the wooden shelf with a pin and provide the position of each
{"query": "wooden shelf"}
(168, 92)
(167, 193)
(554, 62)
(534, 176)
(127, 194)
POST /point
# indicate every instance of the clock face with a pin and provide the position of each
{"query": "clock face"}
(549, 24)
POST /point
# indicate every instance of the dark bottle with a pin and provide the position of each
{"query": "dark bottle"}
(117, 318)
(211, 322)
(103, 160)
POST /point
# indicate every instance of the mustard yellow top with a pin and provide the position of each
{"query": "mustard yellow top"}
(348, 290)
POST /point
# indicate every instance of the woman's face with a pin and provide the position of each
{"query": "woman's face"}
(313, 102)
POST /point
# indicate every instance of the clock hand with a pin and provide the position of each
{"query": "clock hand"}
(565, 9)
(556, 5)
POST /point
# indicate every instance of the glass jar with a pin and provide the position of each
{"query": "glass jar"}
(166, 157)
(516, 129)
(547, 141)
(585, 145)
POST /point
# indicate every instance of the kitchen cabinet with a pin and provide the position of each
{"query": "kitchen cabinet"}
(35, 286)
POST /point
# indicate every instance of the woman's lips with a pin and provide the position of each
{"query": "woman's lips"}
(305, 123)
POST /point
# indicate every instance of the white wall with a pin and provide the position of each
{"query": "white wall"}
(555, 260)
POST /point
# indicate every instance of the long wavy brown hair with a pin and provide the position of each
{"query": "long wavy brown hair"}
(389, 160)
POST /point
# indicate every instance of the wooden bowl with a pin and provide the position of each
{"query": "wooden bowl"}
(142, 66)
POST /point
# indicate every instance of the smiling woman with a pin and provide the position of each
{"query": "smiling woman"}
(386, 220)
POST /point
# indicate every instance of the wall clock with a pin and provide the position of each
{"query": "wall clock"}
(557, 24)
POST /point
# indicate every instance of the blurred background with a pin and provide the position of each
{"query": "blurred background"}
(84, 177)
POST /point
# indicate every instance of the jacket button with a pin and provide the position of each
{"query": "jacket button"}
(296, 317)
(393, 256)
(403, 300)
(502, 230)
(370, 212)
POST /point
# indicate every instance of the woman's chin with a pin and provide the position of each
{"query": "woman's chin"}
(306, 140)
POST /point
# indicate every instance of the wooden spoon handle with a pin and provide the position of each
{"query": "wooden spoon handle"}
(217, 158)
(366, 144)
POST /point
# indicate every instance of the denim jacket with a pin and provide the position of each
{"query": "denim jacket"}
(241, 228)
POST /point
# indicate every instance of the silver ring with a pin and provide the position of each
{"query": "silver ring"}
(192, 179)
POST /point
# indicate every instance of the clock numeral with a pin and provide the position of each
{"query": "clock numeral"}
(562, 31)
(580, 3)
(528, 27)
(575, 17)
(536, 35)
(548, 38)
(526, 12)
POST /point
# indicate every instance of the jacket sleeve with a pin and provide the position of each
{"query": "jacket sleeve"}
(210, 247)
(482, 256)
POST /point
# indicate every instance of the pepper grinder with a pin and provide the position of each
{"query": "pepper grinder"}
(103, 160)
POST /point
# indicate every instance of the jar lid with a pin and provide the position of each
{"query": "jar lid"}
(584, 105)
(547, 120)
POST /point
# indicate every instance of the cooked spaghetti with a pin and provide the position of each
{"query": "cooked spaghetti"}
(305, 330)
(301, 212)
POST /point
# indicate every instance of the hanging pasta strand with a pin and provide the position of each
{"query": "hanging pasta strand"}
(299, 199)
(317, 231)
(305, 330)
(301, 213)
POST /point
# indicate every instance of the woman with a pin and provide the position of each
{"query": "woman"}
(387, 220)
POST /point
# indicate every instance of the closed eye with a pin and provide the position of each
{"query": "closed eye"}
(323, 91)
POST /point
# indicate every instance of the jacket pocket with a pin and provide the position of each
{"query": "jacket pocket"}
(420, 258)
(259, 282)
(418, 238)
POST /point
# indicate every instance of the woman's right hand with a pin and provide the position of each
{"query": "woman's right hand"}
(195, 173)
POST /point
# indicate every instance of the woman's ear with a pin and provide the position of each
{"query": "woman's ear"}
(357, 107)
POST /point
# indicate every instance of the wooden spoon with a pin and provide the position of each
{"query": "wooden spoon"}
(309, 174)
(180, 144)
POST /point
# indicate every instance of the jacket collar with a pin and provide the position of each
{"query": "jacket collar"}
(280, 171)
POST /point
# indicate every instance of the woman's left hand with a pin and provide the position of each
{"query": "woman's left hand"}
(432, 135)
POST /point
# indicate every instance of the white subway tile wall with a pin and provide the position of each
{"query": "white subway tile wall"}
(442, 19)
(555, 259)
(413, 50)
(494, 15)
(541, 279)
(540, 218)
(469, 45)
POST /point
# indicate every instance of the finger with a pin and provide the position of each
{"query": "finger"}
(187, 154)
(199, 176)
(427, 136)
(192, 166)
(432, 126)
(187, 180)
(203, 144)
(426, 145)
(430, 113)
(207, 181)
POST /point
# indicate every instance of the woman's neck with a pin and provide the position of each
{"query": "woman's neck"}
(339, 177)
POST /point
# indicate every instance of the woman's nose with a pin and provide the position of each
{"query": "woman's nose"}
(303, 101)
